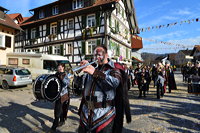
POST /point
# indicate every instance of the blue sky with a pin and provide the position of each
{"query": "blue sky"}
(159, 12)
(149, 13)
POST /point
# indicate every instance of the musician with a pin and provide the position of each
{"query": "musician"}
(98, 109)
(62, 104)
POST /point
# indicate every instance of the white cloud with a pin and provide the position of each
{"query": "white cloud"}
(183, 12)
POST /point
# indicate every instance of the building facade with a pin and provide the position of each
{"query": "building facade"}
(7, 31)
(72, 28)
(182, 57)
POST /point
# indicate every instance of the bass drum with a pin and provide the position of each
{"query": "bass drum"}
(47, 87)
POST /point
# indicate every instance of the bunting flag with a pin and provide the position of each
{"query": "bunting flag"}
(169, 25)
(169, 43)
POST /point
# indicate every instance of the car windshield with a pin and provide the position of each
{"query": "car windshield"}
(22, 72)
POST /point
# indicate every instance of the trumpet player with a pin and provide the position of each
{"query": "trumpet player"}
(98, 111)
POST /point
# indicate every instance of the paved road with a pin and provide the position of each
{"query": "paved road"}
(176, 112)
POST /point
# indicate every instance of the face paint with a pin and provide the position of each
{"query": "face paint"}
(99, 55)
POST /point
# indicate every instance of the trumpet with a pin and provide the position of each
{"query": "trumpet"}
(74, 70)
(81, 67)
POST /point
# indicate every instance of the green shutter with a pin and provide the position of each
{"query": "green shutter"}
(37, 32)
(50, 50)
(98, 42)
(58, 27)
(127, 53)
(123, 13)
(83, 21)
(61, 50)
(48, 29)
(29, 34)
(98, 19)
(83, 48)
(110, 21)
(117, 26)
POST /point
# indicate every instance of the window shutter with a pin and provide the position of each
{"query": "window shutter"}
(98, 42)
(58, 27)
(83, 21)
(110, 21)
(8, 41)
(48, 29)
(37, 32)
(126, 53)
(50, 50)
(98, 19)
(83, 48)
(29, 34)
(61, 50)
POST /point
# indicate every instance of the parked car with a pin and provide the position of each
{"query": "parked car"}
(14, 76)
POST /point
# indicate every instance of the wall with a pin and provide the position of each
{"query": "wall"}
(6, 32)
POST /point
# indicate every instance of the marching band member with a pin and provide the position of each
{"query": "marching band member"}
(98, 110)
(62, 104)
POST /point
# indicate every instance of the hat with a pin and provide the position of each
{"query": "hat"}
(167, 62)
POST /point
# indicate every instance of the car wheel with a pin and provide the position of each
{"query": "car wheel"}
(5, 85)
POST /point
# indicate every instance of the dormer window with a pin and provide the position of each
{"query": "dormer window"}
(55, 10)
(41, 14)
(77, 4)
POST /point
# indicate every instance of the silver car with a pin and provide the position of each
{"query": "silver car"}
(14, 76)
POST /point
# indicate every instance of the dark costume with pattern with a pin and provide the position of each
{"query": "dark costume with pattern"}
(98, 111)
(62, 104)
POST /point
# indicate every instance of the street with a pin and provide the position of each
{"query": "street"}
(175, 112)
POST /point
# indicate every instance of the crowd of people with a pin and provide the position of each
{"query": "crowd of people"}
(189, 70)
(161, 74)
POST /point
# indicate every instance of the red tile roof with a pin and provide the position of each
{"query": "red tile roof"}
(13, 16)
(97, 3)
(8, 22)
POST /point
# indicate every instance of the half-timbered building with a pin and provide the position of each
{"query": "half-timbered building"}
(73, 28)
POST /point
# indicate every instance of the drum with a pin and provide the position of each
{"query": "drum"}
(47, 87)
(194, 88)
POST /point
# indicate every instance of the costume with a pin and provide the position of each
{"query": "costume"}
(62, 104)
(98, 110)
(170, 80)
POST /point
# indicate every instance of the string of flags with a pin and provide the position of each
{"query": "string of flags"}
(169, 25)
(169, 43)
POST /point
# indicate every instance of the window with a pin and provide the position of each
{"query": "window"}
(57, 50)
(1, 41)
(69, 49)
(91, 46)
(78, 4)
(26, 61)
(9, 72)
(54, 28)
(22, 72)
(33, 33)
(55, 10)
(91, 21)
(71, 24)
(8, 41)
(50, 65)
(41, 14)
(12, 61)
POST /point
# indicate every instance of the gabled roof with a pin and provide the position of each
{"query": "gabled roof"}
(3, 9)
(186, 52)
(97, 2)
(196, 48)
(8, 22)
(130, 13)
(14, 15)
